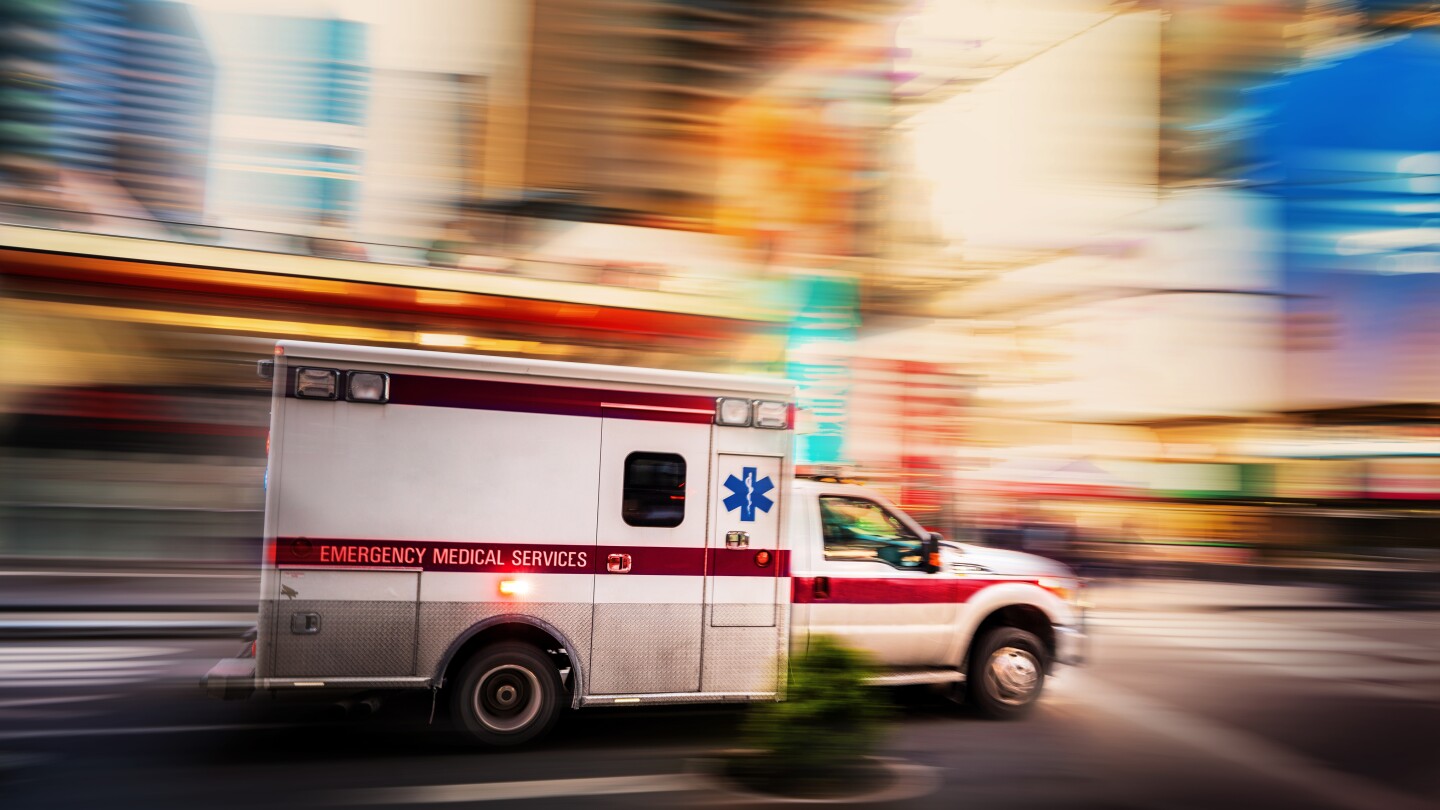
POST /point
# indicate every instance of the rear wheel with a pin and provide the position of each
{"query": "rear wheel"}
(1006, 673)
(507, 694)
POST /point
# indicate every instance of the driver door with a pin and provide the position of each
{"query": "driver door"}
(872, 590)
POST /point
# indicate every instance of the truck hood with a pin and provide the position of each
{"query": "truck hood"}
(1002, 561)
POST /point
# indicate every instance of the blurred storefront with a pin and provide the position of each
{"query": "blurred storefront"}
(133, 422)
(405, 187)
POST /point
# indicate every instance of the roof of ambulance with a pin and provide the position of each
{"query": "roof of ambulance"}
(554, 369)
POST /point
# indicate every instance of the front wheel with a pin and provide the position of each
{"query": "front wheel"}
(508, 694)
(1006, 673)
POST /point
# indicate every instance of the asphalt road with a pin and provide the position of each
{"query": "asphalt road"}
(1200, 696)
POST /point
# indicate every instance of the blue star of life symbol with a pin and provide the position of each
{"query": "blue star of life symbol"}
(748, 495)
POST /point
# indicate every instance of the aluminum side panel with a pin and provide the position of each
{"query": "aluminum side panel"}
(356, 639)
(440, 474)
(745, 658)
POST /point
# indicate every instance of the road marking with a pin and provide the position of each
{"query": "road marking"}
(37, 667)
(10, 651)
(47, 734)
(1326, 785)
(1351, 662)
(513, 791)
(48, 701)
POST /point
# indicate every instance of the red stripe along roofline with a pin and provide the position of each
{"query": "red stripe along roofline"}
(496, 395)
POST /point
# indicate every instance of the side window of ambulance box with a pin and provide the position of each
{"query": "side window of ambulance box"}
(859, 530)
(654, 490)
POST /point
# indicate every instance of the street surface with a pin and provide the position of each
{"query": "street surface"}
(1201, 695)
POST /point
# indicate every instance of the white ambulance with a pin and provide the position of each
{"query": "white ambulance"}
(521, 535)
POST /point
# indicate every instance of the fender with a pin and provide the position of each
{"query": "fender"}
(577, 671)
(991, 598)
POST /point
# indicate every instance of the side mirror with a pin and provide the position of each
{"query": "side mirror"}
(930, 549)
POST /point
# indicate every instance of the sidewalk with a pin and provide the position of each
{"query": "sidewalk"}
(1199, 595)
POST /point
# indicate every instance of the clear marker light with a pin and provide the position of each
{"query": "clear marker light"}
(514, 587)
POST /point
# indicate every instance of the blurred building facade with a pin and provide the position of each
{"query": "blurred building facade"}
(132, 405)
(666, 70)
(1026, 259)
(1156, 355)
(110, 109)
(292, 105)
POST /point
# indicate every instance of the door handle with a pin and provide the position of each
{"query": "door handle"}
(304, 624)
(821, 588)
(618, 564)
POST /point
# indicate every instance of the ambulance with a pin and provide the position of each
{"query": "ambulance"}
(521, 536)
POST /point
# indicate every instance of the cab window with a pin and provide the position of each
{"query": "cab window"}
(654, 490)
(857, 529)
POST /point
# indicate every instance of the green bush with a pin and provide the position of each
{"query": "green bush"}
(829, 718)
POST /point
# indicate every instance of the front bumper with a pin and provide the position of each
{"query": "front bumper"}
(1072, 645)
(230, 679)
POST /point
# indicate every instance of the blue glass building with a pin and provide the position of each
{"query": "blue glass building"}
(133, 101)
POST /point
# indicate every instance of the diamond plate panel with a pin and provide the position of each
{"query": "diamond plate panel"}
(356, 639)
(643, 648)
(732, 615)
(441, 623)
(745, 659)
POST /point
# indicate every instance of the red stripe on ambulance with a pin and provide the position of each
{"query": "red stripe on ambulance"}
(886, 591)
(430, 555)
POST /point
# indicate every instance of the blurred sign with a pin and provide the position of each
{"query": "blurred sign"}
(1403, 479)
(818, 360)
(1358, 174)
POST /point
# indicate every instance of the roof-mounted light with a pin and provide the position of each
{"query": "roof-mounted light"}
(732, 412)
(772, 415)
(367, 386)
(317, 383)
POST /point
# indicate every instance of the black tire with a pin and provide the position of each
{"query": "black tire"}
(507, 694)
(1006, 673)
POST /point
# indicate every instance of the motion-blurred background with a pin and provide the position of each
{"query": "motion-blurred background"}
(1153, 286)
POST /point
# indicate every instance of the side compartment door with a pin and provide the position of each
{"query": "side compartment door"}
(743, 628)
(650, 537)
(344, 624)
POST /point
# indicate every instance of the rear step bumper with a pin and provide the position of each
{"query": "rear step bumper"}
(230, 679)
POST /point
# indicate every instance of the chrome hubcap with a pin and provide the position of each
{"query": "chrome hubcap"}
(1013, 675)
(507, 698)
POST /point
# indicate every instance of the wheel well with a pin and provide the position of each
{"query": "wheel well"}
(1024, 617)
(551, 645)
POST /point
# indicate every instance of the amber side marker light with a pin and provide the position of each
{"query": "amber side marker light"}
(1067, 589)
(762, 558)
